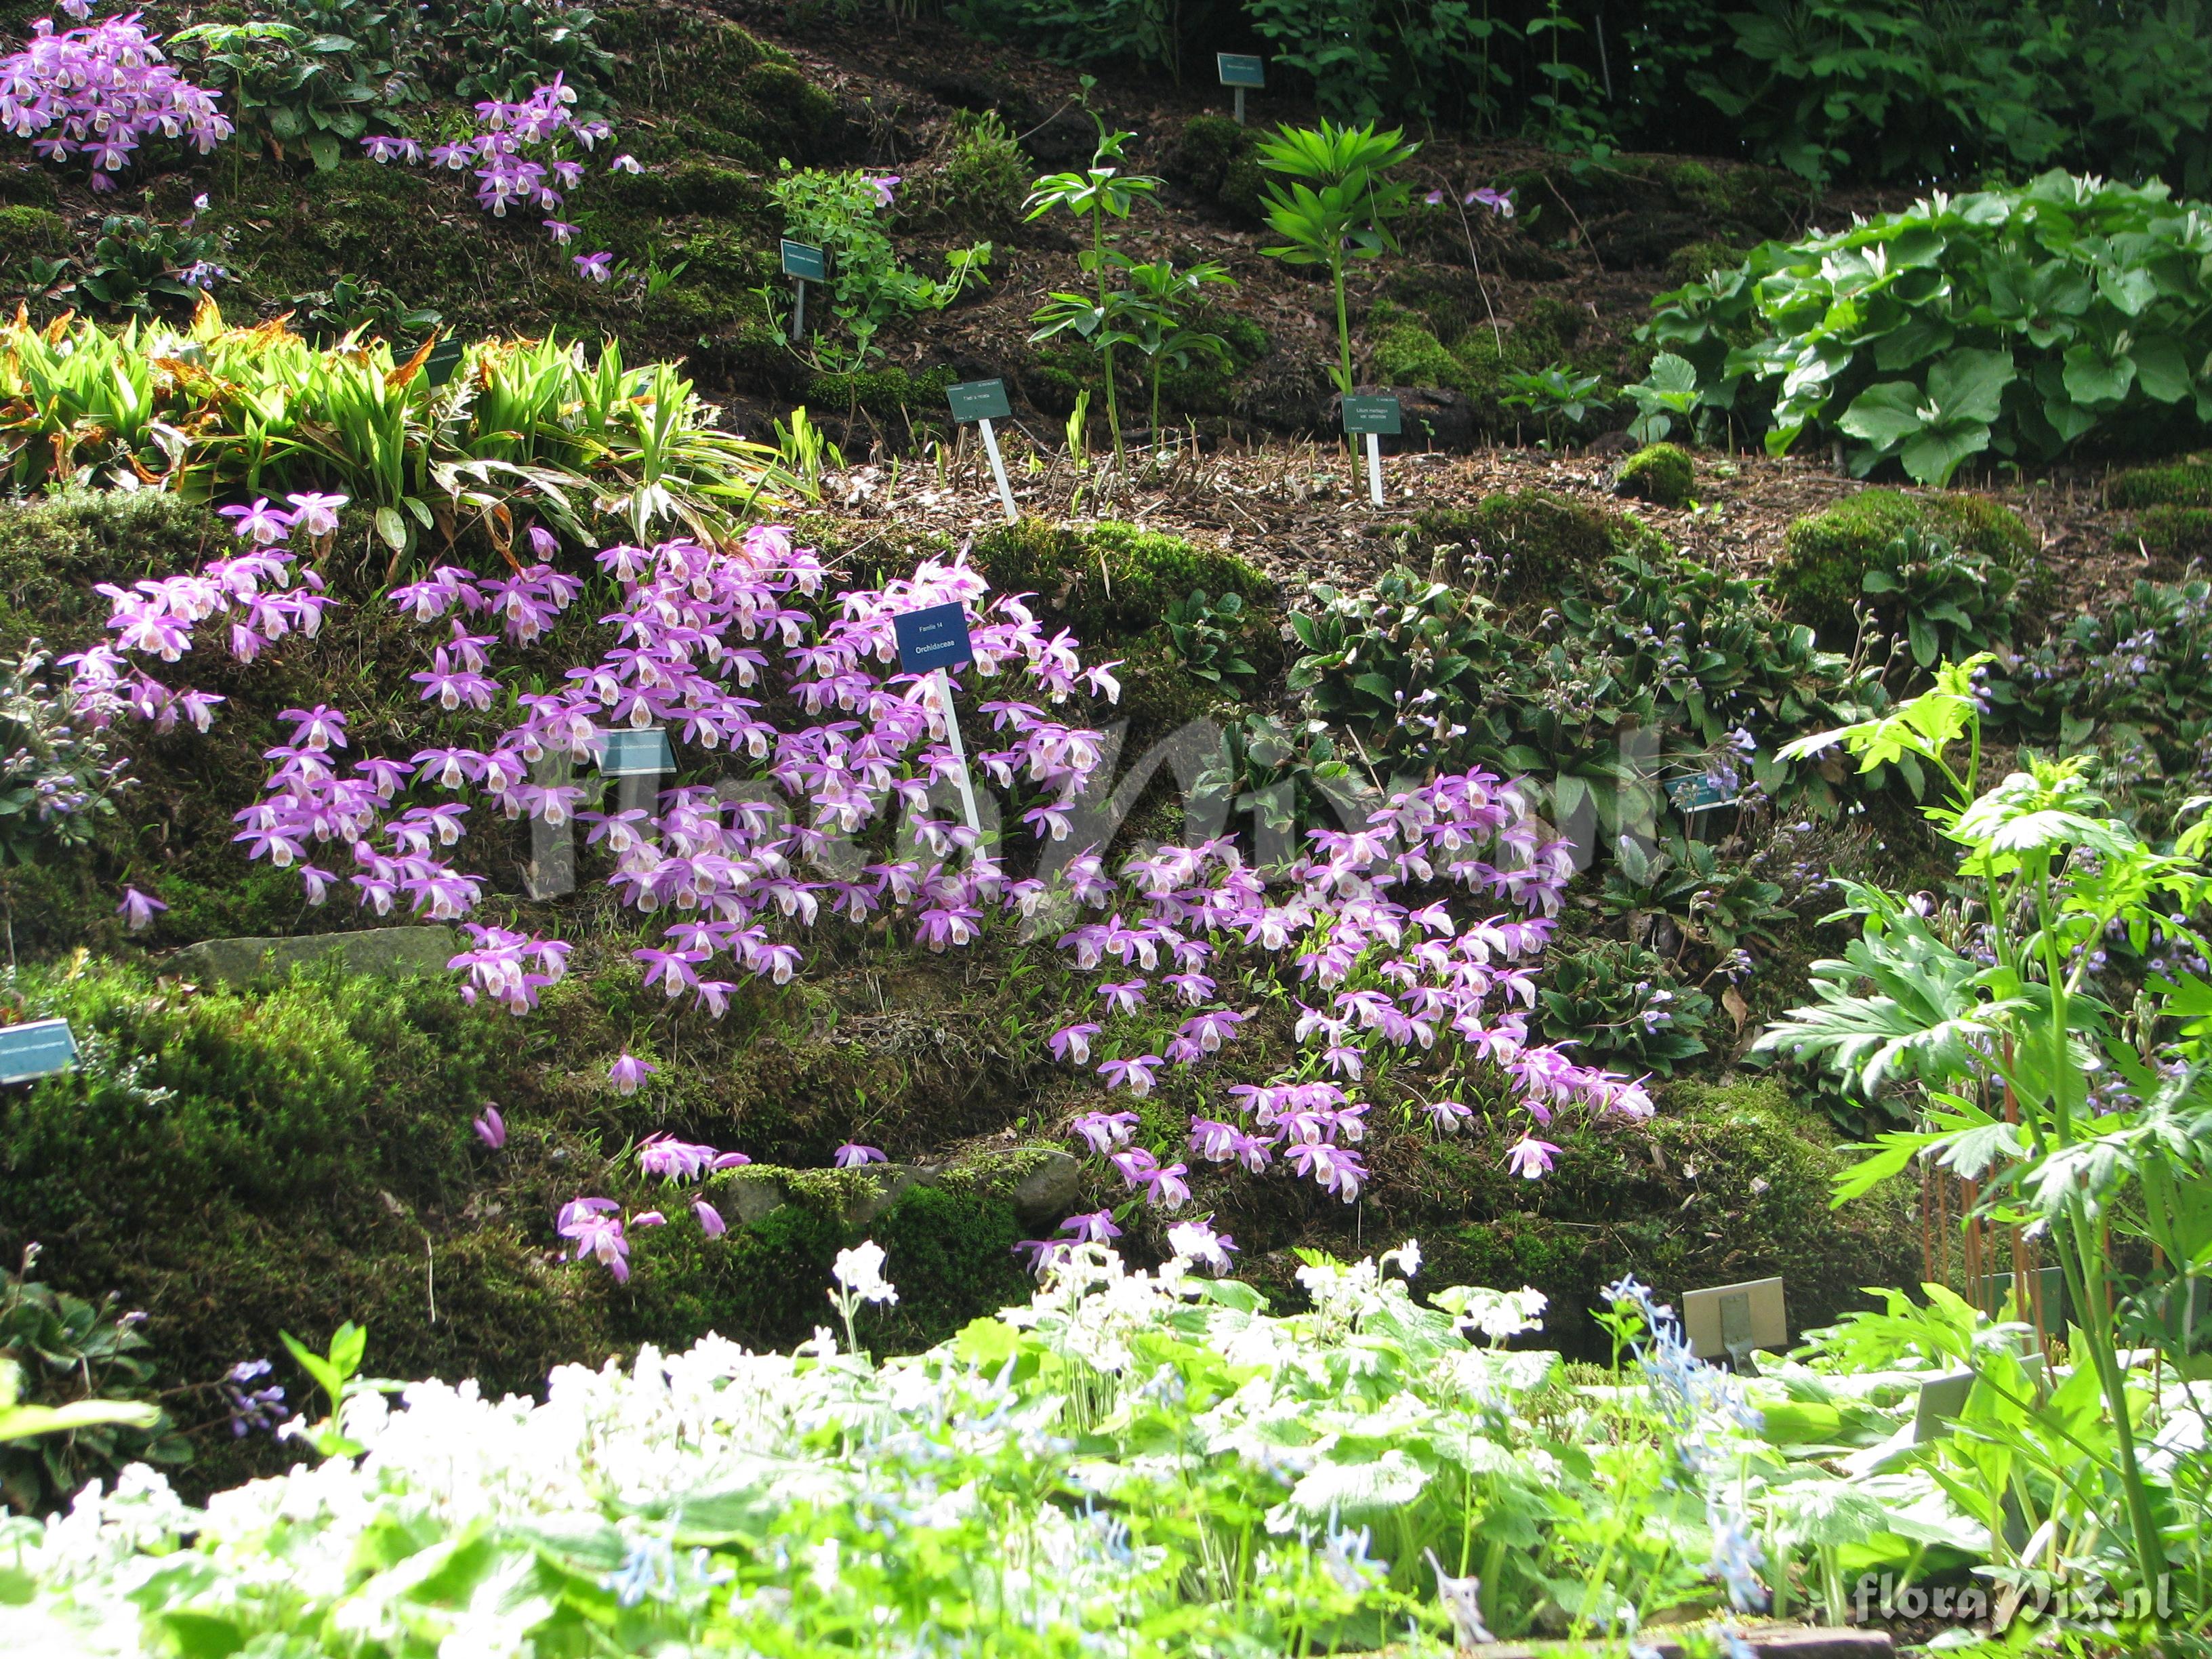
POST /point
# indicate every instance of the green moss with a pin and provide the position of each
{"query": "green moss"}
(887, 393)
(1206, 386)
(1726, 1183)
(53, 548)
(1409, 354)
(25, 229)
(1658, 472)
(1826, 555)
(2181, 483)
(1694, 261)
(1213, 157)
(715, 89)
(1530, 544)
(1110, 580)
(2178, 533)
(28, 185)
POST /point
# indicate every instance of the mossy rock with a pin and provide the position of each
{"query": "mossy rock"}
(1110, 580)
(2179, 483)
(1663, 473)
(54, 548)
(2180, 534)
(1529, 544)
(26, 229)
(1207, 386)
(1727, 1183)
(1213, 157)
(1826, 555)
(28, 185)
(1409, 354)
(887, 393)
(1695, 261)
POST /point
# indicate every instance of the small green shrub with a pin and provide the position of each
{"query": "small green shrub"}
(1661, 473)
(2014, 324)
(1618, 1004)
(984, 180)
(2180, 483)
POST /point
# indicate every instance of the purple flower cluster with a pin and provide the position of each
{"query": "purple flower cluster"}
(518, 160)
(99, 91)
(252, 1410)
(1395, 974)
(256, 590)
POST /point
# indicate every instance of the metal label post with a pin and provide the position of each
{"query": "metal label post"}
(1374, 418)
(1238, 70)
(983, 402)
(930, 641)
(803, 263)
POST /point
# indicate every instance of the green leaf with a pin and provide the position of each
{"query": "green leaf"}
(1931, 455)
(1885, 414)
(2095, 376)
(2162, 368)
(391, 528)
(1968, 385)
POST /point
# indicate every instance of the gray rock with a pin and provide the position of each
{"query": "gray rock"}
(393, 951)
(1050, 1189)
(752, 1196)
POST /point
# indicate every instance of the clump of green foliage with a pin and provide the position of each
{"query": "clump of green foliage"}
(1829, 557)
(64, 1351)
(2016, 324)
(1618, 1003)
(1661, 473)
(1213, 158)
(1646, 666)
(2180, 535)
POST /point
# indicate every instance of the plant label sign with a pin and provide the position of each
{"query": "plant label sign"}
(1700, 793)
(443, 362)
(984, 402)
(637, 754)
(1372, 418)
(37, 1048)
(930, 641)
(1735, 1319)
(803, 263)
(1238, 70)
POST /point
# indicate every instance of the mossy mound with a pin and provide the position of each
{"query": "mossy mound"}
(2177, 534)
(1826, 555)
(1437, 328)
(2179, 483)
(1108, 579)
(1661, 473)
(297, 1152)
(1213, 158)
(1528, 544)
(1727, 1182)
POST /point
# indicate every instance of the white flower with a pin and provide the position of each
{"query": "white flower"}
(860, 1271)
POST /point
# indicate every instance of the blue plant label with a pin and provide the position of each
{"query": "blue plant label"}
(1701, 792)
(1239, 69)
(979, 400)
(443, 362)
(1378, 415)
(805, 261)
(637, 754)
(39, 1048)
(935, 638)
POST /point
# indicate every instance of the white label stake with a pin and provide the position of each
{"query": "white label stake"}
(1374, 468)
(1240, 106)
(943, 682)
(998, 472)
(798, 309)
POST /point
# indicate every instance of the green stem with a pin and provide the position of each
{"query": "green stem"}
(1343, 324)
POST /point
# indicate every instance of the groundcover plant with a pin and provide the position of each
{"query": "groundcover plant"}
(1133, 1463)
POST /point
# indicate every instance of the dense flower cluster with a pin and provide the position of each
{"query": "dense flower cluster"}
(838, 816)
(1368, 972)
(98, 92)
(519, 158)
